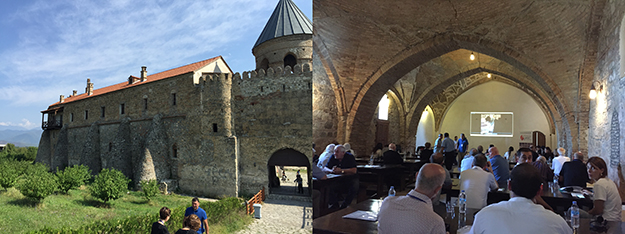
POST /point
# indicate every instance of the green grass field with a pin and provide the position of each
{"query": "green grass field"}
(19, 214)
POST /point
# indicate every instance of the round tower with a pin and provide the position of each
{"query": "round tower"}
(286, 39)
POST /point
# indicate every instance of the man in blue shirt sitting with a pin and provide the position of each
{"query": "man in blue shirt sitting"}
(196, 210)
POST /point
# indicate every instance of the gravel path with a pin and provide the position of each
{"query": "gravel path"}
(280, 216)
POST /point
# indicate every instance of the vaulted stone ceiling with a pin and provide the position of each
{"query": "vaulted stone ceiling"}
(545, 47)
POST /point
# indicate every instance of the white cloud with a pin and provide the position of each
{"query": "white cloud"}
(25, 124)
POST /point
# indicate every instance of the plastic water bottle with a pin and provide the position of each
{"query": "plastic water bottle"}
(391, 191)
(574, 215)
(462, 199)
(371, 159)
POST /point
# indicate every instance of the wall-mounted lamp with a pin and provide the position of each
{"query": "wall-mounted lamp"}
(472, 57)
(593, 91)
(488, 75)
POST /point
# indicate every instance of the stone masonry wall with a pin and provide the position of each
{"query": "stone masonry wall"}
(606, 125)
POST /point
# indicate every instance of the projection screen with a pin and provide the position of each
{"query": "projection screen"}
(492, 124)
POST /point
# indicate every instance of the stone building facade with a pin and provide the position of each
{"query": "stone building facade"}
(200, 128)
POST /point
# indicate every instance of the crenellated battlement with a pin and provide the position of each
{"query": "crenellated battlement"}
(280, 79)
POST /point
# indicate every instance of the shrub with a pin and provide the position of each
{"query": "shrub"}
(149, 188)
(73, 177)
(37, 183)
(19, 153)
(10, 171)
(109, 185)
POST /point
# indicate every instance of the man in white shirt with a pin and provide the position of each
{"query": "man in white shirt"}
(413, 213)
(467, 162)
(520, 214)
(476, 182)
(557, 162)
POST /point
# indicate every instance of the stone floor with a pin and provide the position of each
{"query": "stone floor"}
(282, 216)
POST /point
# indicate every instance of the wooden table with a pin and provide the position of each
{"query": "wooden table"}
(380, 172)
(325, 186)
(554, 198)
(335, 223)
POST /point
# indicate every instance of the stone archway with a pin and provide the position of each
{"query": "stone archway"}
(371, 91)
(284, 158)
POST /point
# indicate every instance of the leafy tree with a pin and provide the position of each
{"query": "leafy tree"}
(73, 177)
(149, 188)
(19, 153)
(37, 183)
(109, 185)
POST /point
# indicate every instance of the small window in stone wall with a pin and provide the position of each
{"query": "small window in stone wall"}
(174, 151)
(103, 112)
(214, 127)
(86, 114)
(110, 146)
(122, 108)
(145, 104)
(173, 99)
(71, 117)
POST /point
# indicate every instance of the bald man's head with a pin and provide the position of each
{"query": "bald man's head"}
(437, 158)
(392, 147)
(578, 155)
(493, 151)
(430, 179)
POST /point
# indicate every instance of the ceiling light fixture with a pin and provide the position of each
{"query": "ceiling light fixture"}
(593, 91)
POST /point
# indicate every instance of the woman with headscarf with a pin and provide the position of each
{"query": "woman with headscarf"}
(325, 156)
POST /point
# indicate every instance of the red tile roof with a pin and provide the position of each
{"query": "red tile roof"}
(154, 77)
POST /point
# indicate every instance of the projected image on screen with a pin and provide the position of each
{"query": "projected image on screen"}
(492, 124)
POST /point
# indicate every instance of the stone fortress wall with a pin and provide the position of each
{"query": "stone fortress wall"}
(215, 140)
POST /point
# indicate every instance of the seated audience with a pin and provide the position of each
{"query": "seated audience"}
(523, 155)
(557, 162)
(391, 156)
(574, 173)
(349, 150)
(500, 166)
(545, 172)
(159, 226)
(534, 154)
(607, 201)
(520, 214)
(480, 149)
(191, 225)
(548, 154)
(438, 158)
(341, 163)
(413, 213)
(477, 182)
(467, 162)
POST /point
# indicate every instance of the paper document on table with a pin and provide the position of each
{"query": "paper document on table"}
(362, 215)
(332, 175)
(578, 195)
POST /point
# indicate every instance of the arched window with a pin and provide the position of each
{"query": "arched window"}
(383, 108)
(264, 64)
(290, 60)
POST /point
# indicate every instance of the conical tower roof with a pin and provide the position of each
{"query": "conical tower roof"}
(287, 19)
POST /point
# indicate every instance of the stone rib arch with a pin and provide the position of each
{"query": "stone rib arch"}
(388, 73)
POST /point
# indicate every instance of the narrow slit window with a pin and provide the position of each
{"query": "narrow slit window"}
(122, 108)
(103, 111)
(86, 114)
(71, 117)
(174, 150)
(145, 103)
(173, 99)
(214, 127)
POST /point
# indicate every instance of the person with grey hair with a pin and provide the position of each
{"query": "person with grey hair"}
(413, 213)
(545, 172)
(477, 182)
(467, 162)
(556, 164)
(341, 163)
(574, 173)
(325, 156)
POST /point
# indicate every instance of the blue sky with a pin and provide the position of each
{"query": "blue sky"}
(49, 48)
